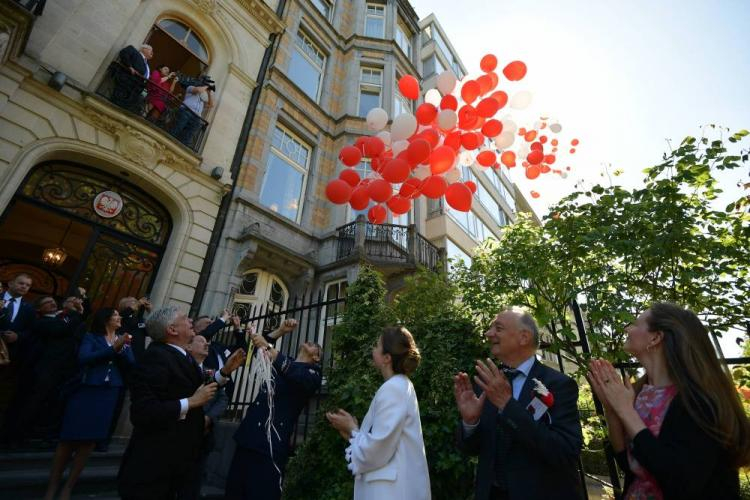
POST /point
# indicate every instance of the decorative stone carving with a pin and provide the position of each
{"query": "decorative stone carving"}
(138, 147)
(207, 6)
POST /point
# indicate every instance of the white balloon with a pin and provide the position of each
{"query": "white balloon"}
(399, 146)
(377, 118)
(422, 172)
(447, 119)
(509, 125)
(453, 175)
(505, 139)
(384, 136)
(555, 128)
(520, 100)
(403, 126)
(446, 82)
(433, 97)
(564, 175)
(466, 158)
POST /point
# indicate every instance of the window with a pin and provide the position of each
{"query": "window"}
(306, 66)
(457, 69)
(455, 254)
(332, 314)
(324, 6)
(441, 43)
(400, 103)
(370, 88)
(286, 175)
(432, 65)
(403, 39)
(375, 20)
(186, 36)
(259, 288)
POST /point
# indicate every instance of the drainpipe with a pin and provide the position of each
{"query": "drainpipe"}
(226, 201)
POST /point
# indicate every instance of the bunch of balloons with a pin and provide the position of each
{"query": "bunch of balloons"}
(422, 153)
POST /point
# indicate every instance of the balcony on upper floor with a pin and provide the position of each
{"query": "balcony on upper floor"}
(387, 246)
(154, 105)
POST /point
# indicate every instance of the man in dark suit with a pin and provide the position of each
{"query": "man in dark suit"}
(131, 77)
(258, 465)
(528, 442)
(167, 393)
(133, 312)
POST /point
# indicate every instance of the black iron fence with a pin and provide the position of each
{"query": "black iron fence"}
(386, 244)
(157, 105)
(316, 322)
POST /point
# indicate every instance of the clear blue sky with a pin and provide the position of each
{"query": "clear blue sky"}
(623, 76)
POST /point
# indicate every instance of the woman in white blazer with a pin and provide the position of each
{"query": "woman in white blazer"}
(386, 454)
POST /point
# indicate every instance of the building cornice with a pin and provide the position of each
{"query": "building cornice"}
(264, 14)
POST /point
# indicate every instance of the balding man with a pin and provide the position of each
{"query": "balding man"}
(524, 424)
(167, 397)
(131, 77)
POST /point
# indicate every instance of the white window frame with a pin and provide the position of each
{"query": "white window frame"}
(400, 99)
(329, 3)
(304, 170)
(402, 37)
(300, 38)
(369, 86)
(325, 321)
(368, 14)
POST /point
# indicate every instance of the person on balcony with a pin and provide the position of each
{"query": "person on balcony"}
(131, 77)
(188, 120)
(160, 85)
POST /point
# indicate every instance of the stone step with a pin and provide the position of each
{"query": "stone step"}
(32, 483)
(30, 460)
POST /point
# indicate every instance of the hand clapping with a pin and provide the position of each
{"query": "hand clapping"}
(615, 393)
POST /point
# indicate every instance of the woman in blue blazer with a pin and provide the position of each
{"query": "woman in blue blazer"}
(91, 408)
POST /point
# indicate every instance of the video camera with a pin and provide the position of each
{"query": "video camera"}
(201, 81)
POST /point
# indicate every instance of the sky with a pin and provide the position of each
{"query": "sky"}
(624, 77)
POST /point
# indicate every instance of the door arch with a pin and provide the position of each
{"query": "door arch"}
(114, 234)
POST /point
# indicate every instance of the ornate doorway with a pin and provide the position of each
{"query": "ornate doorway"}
(111, 233)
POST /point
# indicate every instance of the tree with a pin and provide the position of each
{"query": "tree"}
(621, 250)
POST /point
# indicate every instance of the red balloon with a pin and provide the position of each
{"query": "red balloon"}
(351, 177)
(515, 71)
(543, 138)
(458, 196)
(442, 159)
(536, 146)
(449, 102)
(494, 79)
(471, 140)
(399, 205)
(338, 192)
(549, 159)
(533, 171)
(487, 107)
(430, 135)
(410, 188)
(350, 156)
(485, 84)
(360, 199)
(572, 150)
(574, 142)
(534, 194)
(379, 190)
(453, 140)
(492, 128)
(471, 185)
(530, 135)
(535, 157)
(409, 87)
(426, 112)
(470, 91)
(486, 158)
(545, 168)
(553, 142)
(508, 158)
(404, 155)
(377, 214)
(434, 186)
(467, 117)
(396, 171)
(373, 147)
(488, 63)
(419, 151)
(501, 98)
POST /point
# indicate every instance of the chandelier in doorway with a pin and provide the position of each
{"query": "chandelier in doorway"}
(55, 256)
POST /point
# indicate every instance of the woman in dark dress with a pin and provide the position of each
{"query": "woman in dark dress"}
(91, 408)
(680, 432)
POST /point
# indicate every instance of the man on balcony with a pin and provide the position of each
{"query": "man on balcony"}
(188, 119)
(131, 77)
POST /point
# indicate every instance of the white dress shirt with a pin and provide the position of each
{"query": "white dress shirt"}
(16, 305)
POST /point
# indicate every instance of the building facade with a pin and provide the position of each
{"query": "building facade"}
(98, 187)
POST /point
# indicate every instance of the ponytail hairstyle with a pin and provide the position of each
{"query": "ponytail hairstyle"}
(705, 389)
(399, 343)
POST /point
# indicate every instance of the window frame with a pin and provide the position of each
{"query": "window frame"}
(300, 37)
(377, 6)
(401, 29)
(369, 86)
(329, 3)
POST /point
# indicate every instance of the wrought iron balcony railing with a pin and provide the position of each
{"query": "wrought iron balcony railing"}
(156, 105)
(386, 244)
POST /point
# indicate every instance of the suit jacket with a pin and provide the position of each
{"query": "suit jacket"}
(543, 454)
(387, 455)
(218, 351)
(102, 365)
(26, 348)
(163, 449)
(57, 357)
(295, 383)
(133, 323)
(686, 462)
(131, 57)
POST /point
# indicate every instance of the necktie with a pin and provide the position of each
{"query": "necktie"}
(12, 308)
(503, 440)
(195, 365)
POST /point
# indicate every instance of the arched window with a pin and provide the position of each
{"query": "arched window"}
(259, 293)
(186, 36)
(178, 46)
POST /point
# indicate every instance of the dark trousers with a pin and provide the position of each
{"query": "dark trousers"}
(186, 124)
(176, 487)
(252, 476)
(498, 494)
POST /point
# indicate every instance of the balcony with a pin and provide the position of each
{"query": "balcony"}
(142, 98)
(387, 245)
